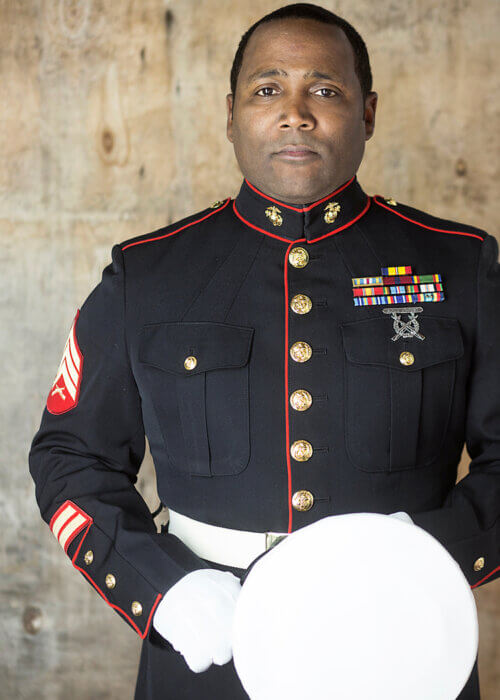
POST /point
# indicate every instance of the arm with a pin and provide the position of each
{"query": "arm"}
(84, 461)
(468, 522)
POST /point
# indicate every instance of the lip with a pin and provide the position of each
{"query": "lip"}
(296, 153)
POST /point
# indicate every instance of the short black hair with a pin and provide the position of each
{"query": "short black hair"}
(306, 10)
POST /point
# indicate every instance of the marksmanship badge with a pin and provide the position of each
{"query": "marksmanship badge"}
(405, 329)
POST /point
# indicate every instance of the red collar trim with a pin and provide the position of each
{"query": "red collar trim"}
(302, 209)
(257, 228)
(314, 240)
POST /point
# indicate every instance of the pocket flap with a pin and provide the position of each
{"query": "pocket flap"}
(215, 345)
(369, 342)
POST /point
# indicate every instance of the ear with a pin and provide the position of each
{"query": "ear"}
(369, 114)
(229, 125)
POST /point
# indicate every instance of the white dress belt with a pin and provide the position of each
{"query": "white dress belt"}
(221, 545)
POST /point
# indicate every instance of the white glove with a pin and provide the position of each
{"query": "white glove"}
(196, 617)
(402, 515)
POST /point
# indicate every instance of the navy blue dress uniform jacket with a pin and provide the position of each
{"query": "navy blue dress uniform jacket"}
(237, 340)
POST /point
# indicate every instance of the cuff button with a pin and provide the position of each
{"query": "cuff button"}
(89, 557)
(136, 608)
(479, 564)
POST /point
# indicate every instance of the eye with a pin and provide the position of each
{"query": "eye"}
(328, 90)
(267, 87)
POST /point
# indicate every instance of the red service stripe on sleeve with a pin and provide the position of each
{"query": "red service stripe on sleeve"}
(142, 635)
(67, 522)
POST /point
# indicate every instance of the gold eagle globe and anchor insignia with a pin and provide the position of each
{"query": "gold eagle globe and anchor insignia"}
(331, 211)
(274, 215)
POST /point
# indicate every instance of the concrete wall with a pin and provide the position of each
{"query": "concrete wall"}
(113, 123)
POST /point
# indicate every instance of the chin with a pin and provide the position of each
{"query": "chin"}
(297, 191)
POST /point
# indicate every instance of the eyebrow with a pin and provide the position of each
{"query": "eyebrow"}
(272, 72)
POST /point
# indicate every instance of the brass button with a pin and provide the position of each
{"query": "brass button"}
(302, 500)
(301, 351)
(298, 257)
(89, 557)
(478, 564)
(331, 211)
(301, 304)
(274, 215)
(190, 362)
(406, 358)
(136, 608)
(300, 400)
(301, 450)
(110, 581)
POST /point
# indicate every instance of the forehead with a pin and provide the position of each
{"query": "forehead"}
(298, 43)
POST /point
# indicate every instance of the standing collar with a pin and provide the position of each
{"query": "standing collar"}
(289, 222)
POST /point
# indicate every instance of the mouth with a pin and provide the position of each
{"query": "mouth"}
(296, 152)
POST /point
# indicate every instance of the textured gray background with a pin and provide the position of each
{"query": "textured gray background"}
(112, 124)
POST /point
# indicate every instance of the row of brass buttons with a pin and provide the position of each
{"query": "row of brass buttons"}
(110, 581)
(301, 399)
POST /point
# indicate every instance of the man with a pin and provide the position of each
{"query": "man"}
(287, 358)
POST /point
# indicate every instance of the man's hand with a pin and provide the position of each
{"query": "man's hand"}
(196, 617)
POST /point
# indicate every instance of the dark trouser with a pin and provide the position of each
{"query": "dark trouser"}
(164, 674)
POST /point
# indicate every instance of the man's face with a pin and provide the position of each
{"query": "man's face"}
(297, 87)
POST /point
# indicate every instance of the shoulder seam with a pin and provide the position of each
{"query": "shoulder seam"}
(171, 233)
(418, 223)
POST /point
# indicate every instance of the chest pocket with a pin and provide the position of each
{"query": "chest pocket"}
(396, 415)
(203, 412)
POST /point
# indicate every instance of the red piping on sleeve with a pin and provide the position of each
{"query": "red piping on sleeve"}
(485, 577)
(142, 635)
(192, 223)
(431, 228)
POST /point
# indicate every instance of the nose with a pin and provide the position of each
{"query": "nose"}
(296, 114)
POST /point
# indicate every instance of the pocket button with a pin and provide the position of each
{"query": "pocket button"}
(406, 358)
(190, 362)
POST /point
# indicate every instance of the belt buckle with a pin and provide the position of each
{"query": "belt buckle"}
(272, 539)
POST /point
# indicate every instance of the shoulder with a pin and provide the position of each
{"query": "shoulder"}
(154, 238)
(424, 220)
